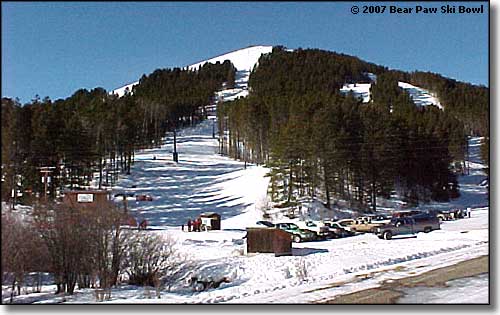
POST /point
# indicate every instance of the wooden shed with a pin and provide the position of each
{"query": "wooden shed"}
(210, 220)
(87, 198)
(269, 240)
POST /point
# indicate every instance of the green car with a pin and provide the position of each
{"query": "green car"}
(298, 235)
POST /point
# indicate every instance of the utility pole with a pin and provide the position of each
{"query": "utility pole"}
(468, 155)
(244, 155)
(45, 170)
(14, 175)
(176, 155)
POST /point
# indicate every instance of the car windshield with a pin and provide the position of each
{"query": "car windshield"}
(266, 223)
(293, 226)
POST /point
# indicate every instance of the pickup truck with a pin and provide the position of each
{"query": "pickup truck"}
(408, 225)
(368, 224)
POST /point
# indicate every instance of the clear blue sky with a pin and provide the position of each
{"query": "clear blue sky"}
(52, 48)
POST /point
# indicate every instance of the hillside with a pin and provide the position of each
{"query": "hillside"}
(283, 141)
(244, 61)
(317, 271)
(420, 96)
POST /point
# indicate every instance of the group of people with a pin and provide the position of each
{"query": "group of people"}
(193, 225)
(460, 214)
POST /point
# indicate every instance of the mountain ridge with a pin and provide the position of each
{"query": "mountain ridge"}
(252, 53)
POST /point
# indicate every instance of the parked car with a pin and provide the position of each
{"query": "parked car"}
(143, 198)
(317, 227)
(347, 224)
(298, 235)
(265, 223)
(442, 215)
(123, 194)
(336, 230)
(408, 225)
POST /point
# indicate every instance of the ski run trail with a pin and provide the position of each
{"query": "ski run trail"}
(204, 181)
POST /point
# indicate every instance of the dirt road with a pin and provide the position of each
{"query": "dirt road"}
(391, 290)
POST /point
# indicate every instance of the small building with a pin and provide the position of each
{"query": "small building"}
(87, 198)
(210, 220)
(269, 240)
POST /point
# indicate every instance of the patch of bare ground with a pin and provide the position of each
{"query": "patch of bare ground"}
(392, 289)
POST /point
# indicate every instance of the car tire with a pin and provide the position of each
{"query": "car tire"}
(387, 235)
(427, 230)
(296, 238)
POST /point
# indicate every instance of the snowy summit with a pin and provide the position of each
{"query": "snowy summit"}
(244, 61)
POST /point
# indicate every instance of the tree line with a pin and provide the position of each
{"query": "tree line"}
(322, 144)
(94, 132)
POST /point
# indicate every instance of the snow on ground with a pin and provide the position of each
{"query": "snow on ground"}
(360, 90)
(315, 270)
(202, 181)
(121, 90)
(420, 96)
(240, 87)
(205, 181)
(244, 60)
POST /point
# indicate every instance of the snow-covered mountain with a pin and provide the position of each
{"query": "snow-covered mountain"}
(244, 61)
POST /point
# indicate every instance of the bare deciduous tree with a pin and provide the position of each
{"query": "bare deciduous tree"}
(84, 243)
(23, 250)
(154, 260)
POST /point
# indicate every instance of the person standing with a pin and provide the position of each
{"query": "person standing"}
(198, 224)
(189, 225)
(469, 211)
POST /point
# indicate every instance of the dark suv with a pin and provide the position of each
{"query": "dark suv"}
(408, 225)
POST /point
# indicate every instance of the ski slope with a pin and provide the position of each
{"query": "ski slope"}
(359, 90)
(194, 185)
(419, 96)
(244, 60)
(209, 182)
(205, 181)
